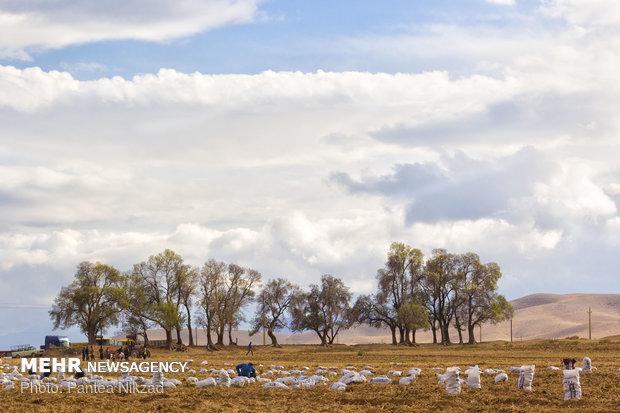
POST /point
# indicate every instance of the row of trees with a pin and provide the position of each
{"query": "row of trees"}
(412, 293)
(446, 290)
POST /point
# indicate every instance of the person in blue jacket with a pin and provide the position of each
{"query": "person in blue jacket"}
(246, 369)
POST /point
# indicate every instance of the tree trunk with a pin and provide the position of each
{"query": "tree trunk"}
(434, 328)
(459, 329)
(169, 338)
(401, 335)
(179, 341)
(220, 336)
(146, 338)
(210, 345)
(274, 340)
(209, 341)
(471, 333)
(446, 335)
(441, 337)
(92, 334)
(413, 337)
(189, 328)
(191, 335)
(393, 329)
(322, 337)
(230, 339)
(407, 339)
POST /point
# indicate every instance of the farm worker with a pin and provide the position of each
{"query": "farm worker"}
(246, 369)
(127, 353)
(101, 352)
(84, 353)
(250, 349)
(107, 353)
(92, 353)
(569, 363)
(144, 353)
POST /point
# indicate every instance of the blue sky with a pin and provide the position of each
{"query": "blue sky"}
(288, 35)
(302, 137)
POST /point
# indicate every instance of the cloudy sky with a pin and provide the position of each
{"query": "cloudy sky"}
(303, 137)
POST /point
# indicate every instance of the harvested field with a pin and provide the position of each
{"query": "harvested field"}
(601, 389)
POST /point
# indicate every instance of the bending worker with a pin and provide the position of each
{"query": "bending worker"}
(246, 369)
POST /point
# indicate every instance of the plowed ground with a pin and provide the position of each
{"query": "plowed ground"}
(601, 389)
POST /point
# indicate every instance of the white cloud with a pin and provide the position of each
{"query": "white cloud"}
(517, 162)
(22, 89)
(584, 12)
(42, 24)
(537, 239)
(573, 190)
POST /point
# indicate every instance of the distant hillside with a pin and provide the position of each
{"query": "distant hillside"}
(536, 316)
(558, 316)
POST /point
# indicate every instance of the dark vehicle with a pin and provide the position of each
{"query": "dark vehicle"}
(58, 341)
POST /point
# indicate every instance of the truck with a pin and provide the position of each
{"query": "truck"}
(58, 341)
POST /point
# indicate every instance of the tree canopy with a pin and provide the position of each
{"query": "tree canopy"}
(90, 302)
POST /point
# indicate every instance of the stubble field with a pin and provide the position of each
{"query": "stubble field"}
(601, 389)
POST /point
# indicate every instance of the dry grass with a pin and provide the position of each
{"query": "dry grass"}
(600, 389)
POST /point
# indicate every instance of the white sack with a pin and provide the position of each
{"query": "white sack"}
(526, 377)
(501, 377)
(453, 384)
(473, 377)
(572, 387)
(338, 386)
(381, 380)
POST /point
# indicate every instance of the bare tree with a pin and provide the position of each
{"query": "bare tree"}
(156, 282)
(375, 311)
(325, 309)
(274, 301)
(211, 283)
(399, 284)
(481, 301)
(137, 325)
(440, 276)
(187, 286)
(241, 285)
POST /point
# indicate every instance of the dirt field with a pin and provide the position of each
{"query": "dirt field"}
(601, 389)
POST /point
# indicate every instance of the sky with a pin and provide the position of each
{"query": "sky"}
(301, 138)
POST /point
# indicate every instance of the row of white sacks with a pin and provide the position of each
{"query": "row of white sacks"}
(297, 378)
(571, 383)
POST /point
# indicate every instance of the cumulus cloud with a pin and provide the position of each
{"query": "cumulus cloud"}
(584, 12)
(209, 160)
(298, 174)
(460, 187)
(35, 25)
(292, 246)
(271, 89)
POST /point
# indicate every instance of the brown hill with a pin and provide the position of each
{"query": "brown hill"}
(537, 316)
